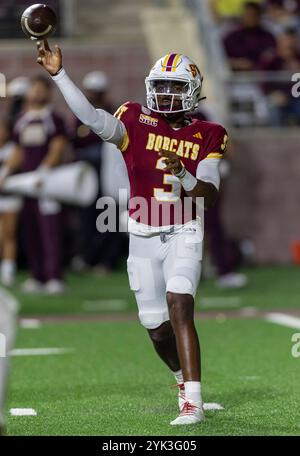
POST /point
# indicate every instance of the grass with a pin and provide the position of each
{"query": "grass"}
(114, 384)
(273, 287)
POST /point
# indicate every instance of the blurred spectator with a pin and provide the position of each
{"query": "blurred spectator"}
(95, 85)
(250, 42)
(285, 109)
(282, 15)
(229, 9)
(16, 91)
(292, 6)
(41, 139)
(98, 250)
(9, 210)
(225, 253)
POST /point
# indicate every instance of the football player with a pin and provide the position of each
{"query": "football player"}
(169, 158)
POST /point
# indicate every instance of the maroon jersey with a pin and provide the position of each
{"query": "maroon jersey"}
(34, 131)
(147, 133)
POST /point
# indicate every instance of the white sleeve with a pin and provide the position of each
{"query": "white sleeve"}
(208, 171)
(101, 122)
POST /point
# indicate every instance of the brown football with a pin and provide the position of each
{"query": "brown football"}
(38, 21)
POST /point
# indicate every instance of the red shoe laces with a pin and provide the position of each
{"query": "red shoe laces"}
(188, 409)
(179, 385)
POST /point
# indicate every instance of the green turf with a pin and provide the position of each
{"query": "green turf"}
(268, 288)
(114, 384)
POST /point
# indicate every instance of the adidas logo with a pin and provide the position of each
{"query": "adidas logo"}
(198, 136)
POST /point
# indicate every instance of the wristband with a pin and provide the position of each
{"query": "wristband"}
(187, 180)
(181, 173)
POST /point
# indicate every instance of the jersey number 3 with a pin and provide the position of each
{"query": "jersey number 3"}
(160, 194)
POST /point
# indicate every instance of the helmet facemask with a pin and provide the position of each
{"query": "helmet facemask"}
(171, 95)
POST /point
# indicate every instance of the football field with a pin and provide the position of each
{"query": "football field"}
(85, 365)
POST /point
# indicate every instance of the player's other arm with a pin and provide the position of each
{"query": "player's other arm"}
(101, 122)
(204, 185)
(204, 190)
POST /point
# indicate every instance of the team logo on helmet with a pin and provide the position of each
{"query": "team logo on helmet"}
(171, 62)
(174, 84)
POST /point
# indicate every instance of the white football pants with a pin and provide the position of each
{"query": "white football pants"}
(159, 264)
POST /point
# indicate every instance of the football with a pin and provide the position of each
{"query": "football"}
(39, 21)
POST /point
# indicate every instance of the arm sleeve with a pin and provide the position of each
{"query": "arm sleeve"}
(208, 171)
(101, 122)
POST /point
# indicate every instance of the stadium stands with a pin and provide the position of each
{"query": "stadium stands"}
(245, 49)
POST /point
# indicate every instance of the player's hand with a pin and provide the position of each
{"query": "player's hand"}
(50, 60)
(172, 161)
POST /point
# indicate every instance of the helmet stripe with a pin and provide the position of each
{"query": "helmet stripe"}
(175, 63)
(169, 64)
(164, 64)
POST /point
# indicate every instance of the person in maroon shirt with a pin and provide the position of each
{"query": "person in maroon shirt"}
(284, 108)
(246, 45)
(40, 137)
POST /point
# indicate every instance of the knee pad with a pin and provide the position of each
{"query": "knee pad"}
(150, 292)
(152, 320)
(180, 284)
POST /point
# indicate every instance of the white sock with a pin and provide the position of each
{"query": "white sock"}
(193, 391)
(178, 376)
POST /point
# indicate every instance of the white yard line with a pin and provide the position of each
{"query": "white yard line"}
(23, 412)
(30, 323)
(212, 406)
(40, 351)
(105, 304)
(283, 320)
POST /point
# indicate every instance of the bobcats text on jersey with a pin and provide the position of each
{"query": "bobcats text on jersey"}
(197, 141)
